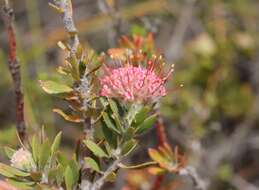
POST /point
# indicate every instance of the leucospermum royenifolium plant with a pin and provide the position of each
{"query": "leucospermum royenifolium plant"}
(112, 96)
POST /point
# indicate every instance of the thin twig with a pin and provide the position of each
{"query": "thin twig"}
(114, 12)
(66, 9)
(199, 184)
(160, 130)
(174, 50)
(100, 182)
(241, 184)
(162, 140)
(14, 67)
(158, 182)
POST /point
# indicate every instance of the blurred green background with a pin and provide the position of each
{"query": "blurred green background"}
(214, 46)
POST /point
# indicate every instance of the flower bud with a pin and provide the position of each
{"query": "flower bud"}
(22, 159)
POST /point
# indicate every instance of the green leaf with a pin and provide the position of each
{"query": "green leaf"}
(22, 185)
(43, 187)
(6, 173)
(69, 178)
(56, 143)
(9, 152)
(109, 123)
(62, 159)
(74, 68)
(110, 137)
(9, 171)
(44, 154)
(128, 147)
(147, 124)
(92, 164)
(116, 118)
(113, 106)
(133, 111)
(52, 87)
(104, 101)
(75, 169)
(141, 115)
(95, 148)
(129, 134)
(35, 146)
(56, 174)
(108, 148)
(138, 30)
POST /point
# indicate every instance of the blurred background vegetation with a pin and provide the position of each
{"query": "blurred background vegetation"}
(214, 46)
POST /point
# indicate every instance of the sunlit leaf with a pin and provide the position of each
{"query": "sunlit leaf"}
(133, 111)
(35, 146)
(44, 154)
(56, 143)
(9, 171)
(75, 169)
(156, 170)
(114, 106)
(9, 152)
(69, 179)
(52, 87)
(21, 185)
(158, 157)
(92, 164)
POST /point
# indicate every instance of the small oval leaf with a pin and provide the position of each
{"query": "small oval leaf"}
(128, 147)
(95, 148)
(147, 124)
(92, 164)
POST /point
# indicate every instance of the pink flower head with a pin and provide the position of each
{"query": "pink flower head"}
(135, 83)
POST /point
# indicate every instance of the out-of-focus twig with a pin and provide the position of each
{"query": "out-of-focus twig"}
(6, 186)
(66, 9)
(158, 182)
(199, 184)
(160, 128)
(174, 49)
(14, 67)
(113, 11)
(102, 21)
(162, 140)
(241, 184)
(97, 185)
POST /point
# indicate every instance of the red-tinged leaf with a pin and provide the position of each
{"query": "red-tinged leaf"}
(156, 170)
(117, 53)
(72, 118)
(158, 157)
